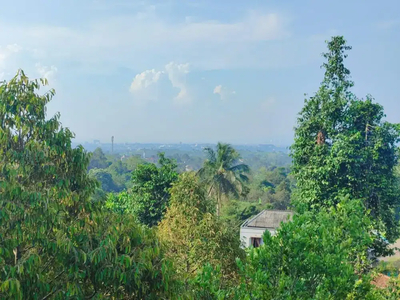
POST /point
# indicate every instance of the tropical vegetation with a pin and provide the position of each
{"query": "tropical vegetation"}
(79, 225)
(223, 174)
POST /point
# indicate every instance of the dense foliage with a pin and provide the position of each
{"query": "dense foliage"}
(113, 173)
(273, 185)
(194, 235)
(343, 147)
(151, 233)
(98, 160)
(149, 196)
(54, 242)
(317, 256)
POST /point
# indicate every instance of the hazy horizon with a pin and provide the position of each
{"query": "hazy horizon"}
(177, 143)
(108, 142)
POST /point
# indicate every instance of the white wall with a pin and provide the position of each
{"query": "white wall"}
(247, 233)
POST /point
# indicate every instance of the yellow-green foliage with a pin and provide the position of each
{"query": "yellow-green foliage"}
(193, 235)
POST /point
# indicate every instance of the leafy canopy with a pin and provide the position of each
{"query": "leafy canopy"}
(54, 241)
(194, 236)
(344, 147)
(149, 197)
(318, 255)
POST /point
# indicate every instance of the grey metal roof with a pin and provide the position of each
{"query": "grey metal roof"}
(269, 219)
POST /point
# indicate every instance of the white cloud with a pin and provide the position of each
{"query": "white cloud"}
(145, 79)
(7, 51)
(46, 72)
(207, 44)
(218, 89)
(253, 27)
(6, 54)
(14, 57)
(223, 92)
(144, 85)
(177, 75)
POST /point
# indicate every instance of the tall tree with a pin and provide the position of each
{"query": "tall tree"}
(98, 160)
(343, 146)
(282, 195)
(193, 235)
(223, 173)
(106, 181)
(55, 243)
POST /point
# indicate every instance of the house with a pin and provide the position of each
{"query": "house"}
(252, 230)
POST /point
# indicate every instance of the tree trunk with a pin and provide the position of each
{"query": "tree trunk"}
(320, 138)
(218, 203)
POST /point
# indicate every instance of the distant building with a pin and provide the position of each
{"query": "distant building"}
(252, 230)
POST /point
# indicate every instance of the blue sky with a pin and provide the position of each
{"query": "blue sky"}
(195, 71)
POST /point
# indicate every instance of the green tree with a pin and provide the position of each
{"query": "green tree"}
(106, 181)
(133, 161)
(194, 236)
(98, 160)
(150, 190)
(223, 173)
(272, 186)
(208, 284)
(120, 173)
(315, 256)
(54, 241)
(318, 255)
(282, 195)
(343, 146)
(120, 203)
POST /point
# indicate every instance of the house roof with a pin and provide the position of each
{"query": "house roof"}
(381, 281)
(269, 219)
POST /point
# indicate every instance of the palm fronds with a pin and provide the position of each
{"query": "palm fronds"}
(223, 173)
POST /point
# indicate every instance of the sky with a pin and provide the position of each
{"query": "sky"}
(195, 71)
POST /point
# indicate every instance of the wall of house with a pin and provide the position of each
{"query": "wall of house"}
(246, 233)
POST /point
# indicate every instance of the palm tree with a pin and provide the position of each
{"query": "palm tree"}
(223, 173)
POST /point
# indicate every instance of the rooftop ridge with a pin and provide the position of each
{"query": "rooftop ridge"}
(272, 225)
